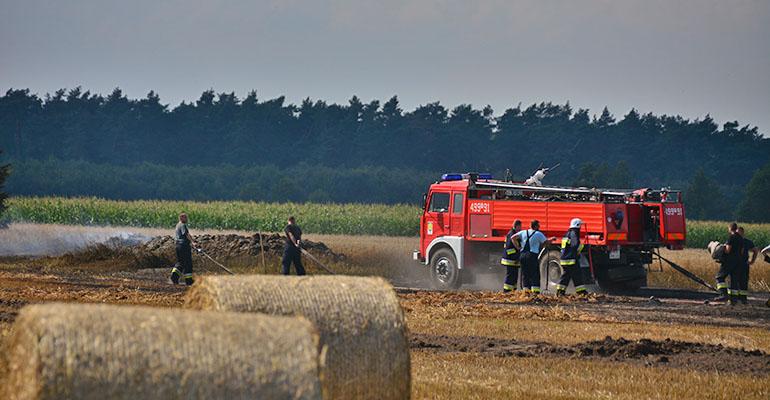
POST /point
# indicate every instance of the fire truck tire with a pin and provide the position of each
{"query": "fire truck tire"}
(550, 270)
(444, 273)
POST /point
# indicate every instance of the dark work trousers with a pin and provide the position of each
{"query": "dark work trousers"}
(292, 254)
(725, 270)
(573, 273)
(530, 271)
(183, 267)
(511, 276)
(735, 280)
(741, 277)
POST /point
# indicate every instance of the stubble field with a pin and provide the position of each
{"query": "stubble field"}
(476, 344)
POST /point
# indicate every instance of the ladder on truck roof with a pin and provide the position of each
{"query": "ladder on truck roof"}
(547, 189)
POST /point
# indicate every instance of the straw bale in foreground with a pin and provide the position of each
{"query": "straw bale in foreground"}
(359, 319)
(86, 351)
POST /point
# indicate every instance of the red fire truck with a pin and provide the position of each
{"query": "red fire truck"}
(466, 217)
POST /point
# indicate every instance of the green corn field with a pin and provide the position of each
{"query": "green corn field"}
(346, 219)
(700, 233)
(343, 219)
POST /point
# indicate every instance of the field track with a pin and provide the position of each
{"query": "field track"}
(646, 292)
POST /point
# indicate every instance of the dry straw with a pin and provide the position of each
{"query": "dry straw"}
(80, 351)
(359, 319)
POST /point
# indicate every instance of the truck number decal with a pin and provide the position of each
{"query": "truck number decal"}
(479, 208)
(674, 211)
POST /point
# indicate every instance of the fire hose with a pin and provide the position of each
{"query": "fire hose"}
(317, 261)
(693, 277)
(217, 263)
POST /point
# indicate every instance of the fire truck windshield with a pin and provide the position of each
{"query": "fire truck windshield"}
(439, 202)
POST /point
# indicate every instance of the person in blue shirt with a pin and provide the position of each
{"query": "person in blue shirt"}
(530, 242)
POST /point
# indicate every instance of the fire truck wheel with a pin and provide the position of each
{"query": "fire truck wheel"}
(443, 270)
(550, 270)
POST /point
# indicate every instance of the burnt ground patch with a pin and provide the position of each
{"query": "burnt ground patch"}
(683, 312)
(666, 353)
(604, 307)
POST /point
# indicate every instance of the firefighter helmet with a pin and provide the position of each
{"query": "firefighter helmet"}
(575, 223)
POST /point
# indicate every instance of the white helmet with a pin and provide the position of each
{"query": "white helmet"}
(575, 223)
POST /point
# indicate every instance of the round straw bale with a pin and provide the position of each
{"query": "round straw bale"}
(88, 351)
(359, 320)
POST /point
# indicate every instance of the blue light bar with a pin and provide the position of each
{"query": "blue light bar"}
(485, 176)
(451, 177)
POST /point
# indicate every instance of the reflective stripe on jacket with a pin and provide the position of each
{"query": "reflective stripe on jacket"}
(570, 248)
(510, 254)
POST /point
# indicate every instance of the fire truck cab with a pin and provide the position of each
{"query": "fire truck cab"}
(466, 216)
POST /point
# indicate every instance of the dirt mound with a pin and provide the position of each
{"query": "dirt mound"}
(159, 252)
(478, 344)
(106, 257)
(673, 353)
(679, 354)
(230, 246)
(625, 348)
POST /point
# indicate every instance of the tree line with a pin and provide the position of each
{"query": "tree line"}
(224, 133)
(300, 183)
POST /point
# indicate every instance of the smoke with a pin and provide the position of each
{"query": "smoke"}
(53, 240)
(491, 282)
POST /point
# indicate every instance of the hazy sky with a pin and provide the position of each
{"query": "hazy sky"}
(688, 57)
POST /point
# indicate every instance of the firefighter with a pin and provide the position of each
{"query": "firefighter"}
(184, 243)
(733, 254)
(742, 272)
(718, 253)
(530, 241)
(570, 260)
(511, 258)
(292, 252)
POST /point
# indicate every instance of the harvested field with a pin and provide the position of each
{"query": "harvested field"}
(466, 344)
(472, 376)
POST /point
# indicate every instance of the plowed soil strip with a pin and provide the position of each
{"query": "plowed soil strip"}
(598, 307)
(670, 353)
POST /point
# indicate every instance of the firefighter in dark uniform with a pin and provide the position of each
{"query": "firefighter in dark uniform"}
(292, 253)
(570, 260)
(725, 268)
(733, 257)
(511, 259)
(742, 273)
(184, 243)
